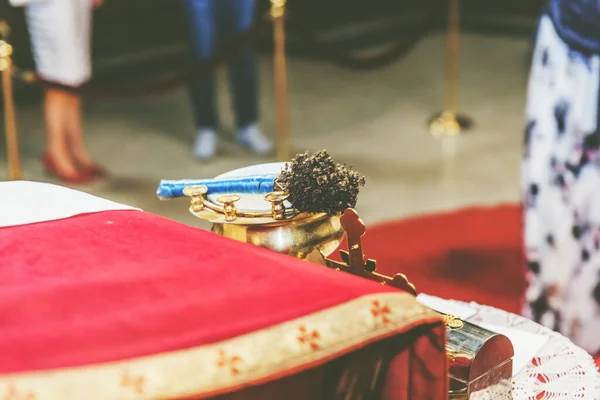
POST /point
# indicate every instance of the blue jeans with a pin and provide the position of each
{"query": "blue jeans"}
(213, 23)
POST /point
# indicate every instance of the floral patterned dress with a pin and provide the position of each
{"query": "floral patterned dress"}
(561, 189)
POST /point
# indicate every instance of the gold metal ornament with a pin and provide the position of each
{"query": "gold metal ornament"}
(354, 260)
(305, 236)
(10, 120)
(277, 207)
(196, 196)
(277, 8)
(453, 322)
(449, 122)
(6, 51)
(229, 209)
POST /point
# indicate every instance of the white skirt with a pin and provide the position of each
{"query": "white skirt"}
(60, 32)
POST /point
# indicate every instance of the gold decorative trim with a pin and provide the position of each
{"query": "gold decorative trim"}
(453, 322)
(204, 371)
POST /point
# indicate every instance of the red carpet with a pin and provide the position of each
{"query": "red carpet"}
(473, 254)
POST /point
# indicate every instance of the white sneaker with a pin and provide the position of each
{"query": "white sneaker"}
(205, 145)
(254, 139)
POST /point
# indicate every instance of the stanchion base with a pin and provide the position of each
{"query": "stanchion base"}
(449, 124)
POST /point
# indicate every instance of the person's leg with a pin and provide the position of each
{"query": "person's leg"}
(60, 44)
(80, 66)
(74, 127)
(57, 150)
(237, 17)
(201, 24)
(42, 22)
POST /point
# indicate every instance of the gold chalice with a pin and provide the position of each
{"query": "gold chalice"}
(269, 220)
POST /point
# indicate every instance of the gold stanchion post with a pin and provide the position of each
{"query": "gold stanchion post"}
(449, 122)
(281, 88)
(10, 120)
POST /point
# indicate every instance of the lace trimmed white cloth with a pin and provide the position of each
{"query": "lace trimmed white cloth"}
(560, 370)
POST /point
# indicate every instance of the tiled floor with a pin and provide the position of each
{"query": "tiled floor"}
(374, 121)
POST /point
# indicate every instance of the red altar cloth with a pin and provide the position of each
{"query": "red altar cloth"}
(125, 304)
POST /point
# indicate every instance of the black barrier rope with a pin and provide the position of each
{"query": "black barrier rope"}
(352, 61)
(225, 54)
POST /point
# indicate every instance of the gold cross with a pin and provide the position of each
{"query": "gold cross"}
(354, 259)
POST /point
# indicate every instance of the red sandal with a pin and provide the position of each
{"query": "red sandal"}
(94, 170)
(51, 168)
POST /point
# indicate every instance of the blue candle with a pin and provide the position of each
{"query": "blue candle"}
(254, 184)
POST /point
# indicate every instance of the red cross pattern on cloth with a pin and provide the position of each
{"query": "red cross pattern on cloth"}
(309, 337)
(231, 362)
